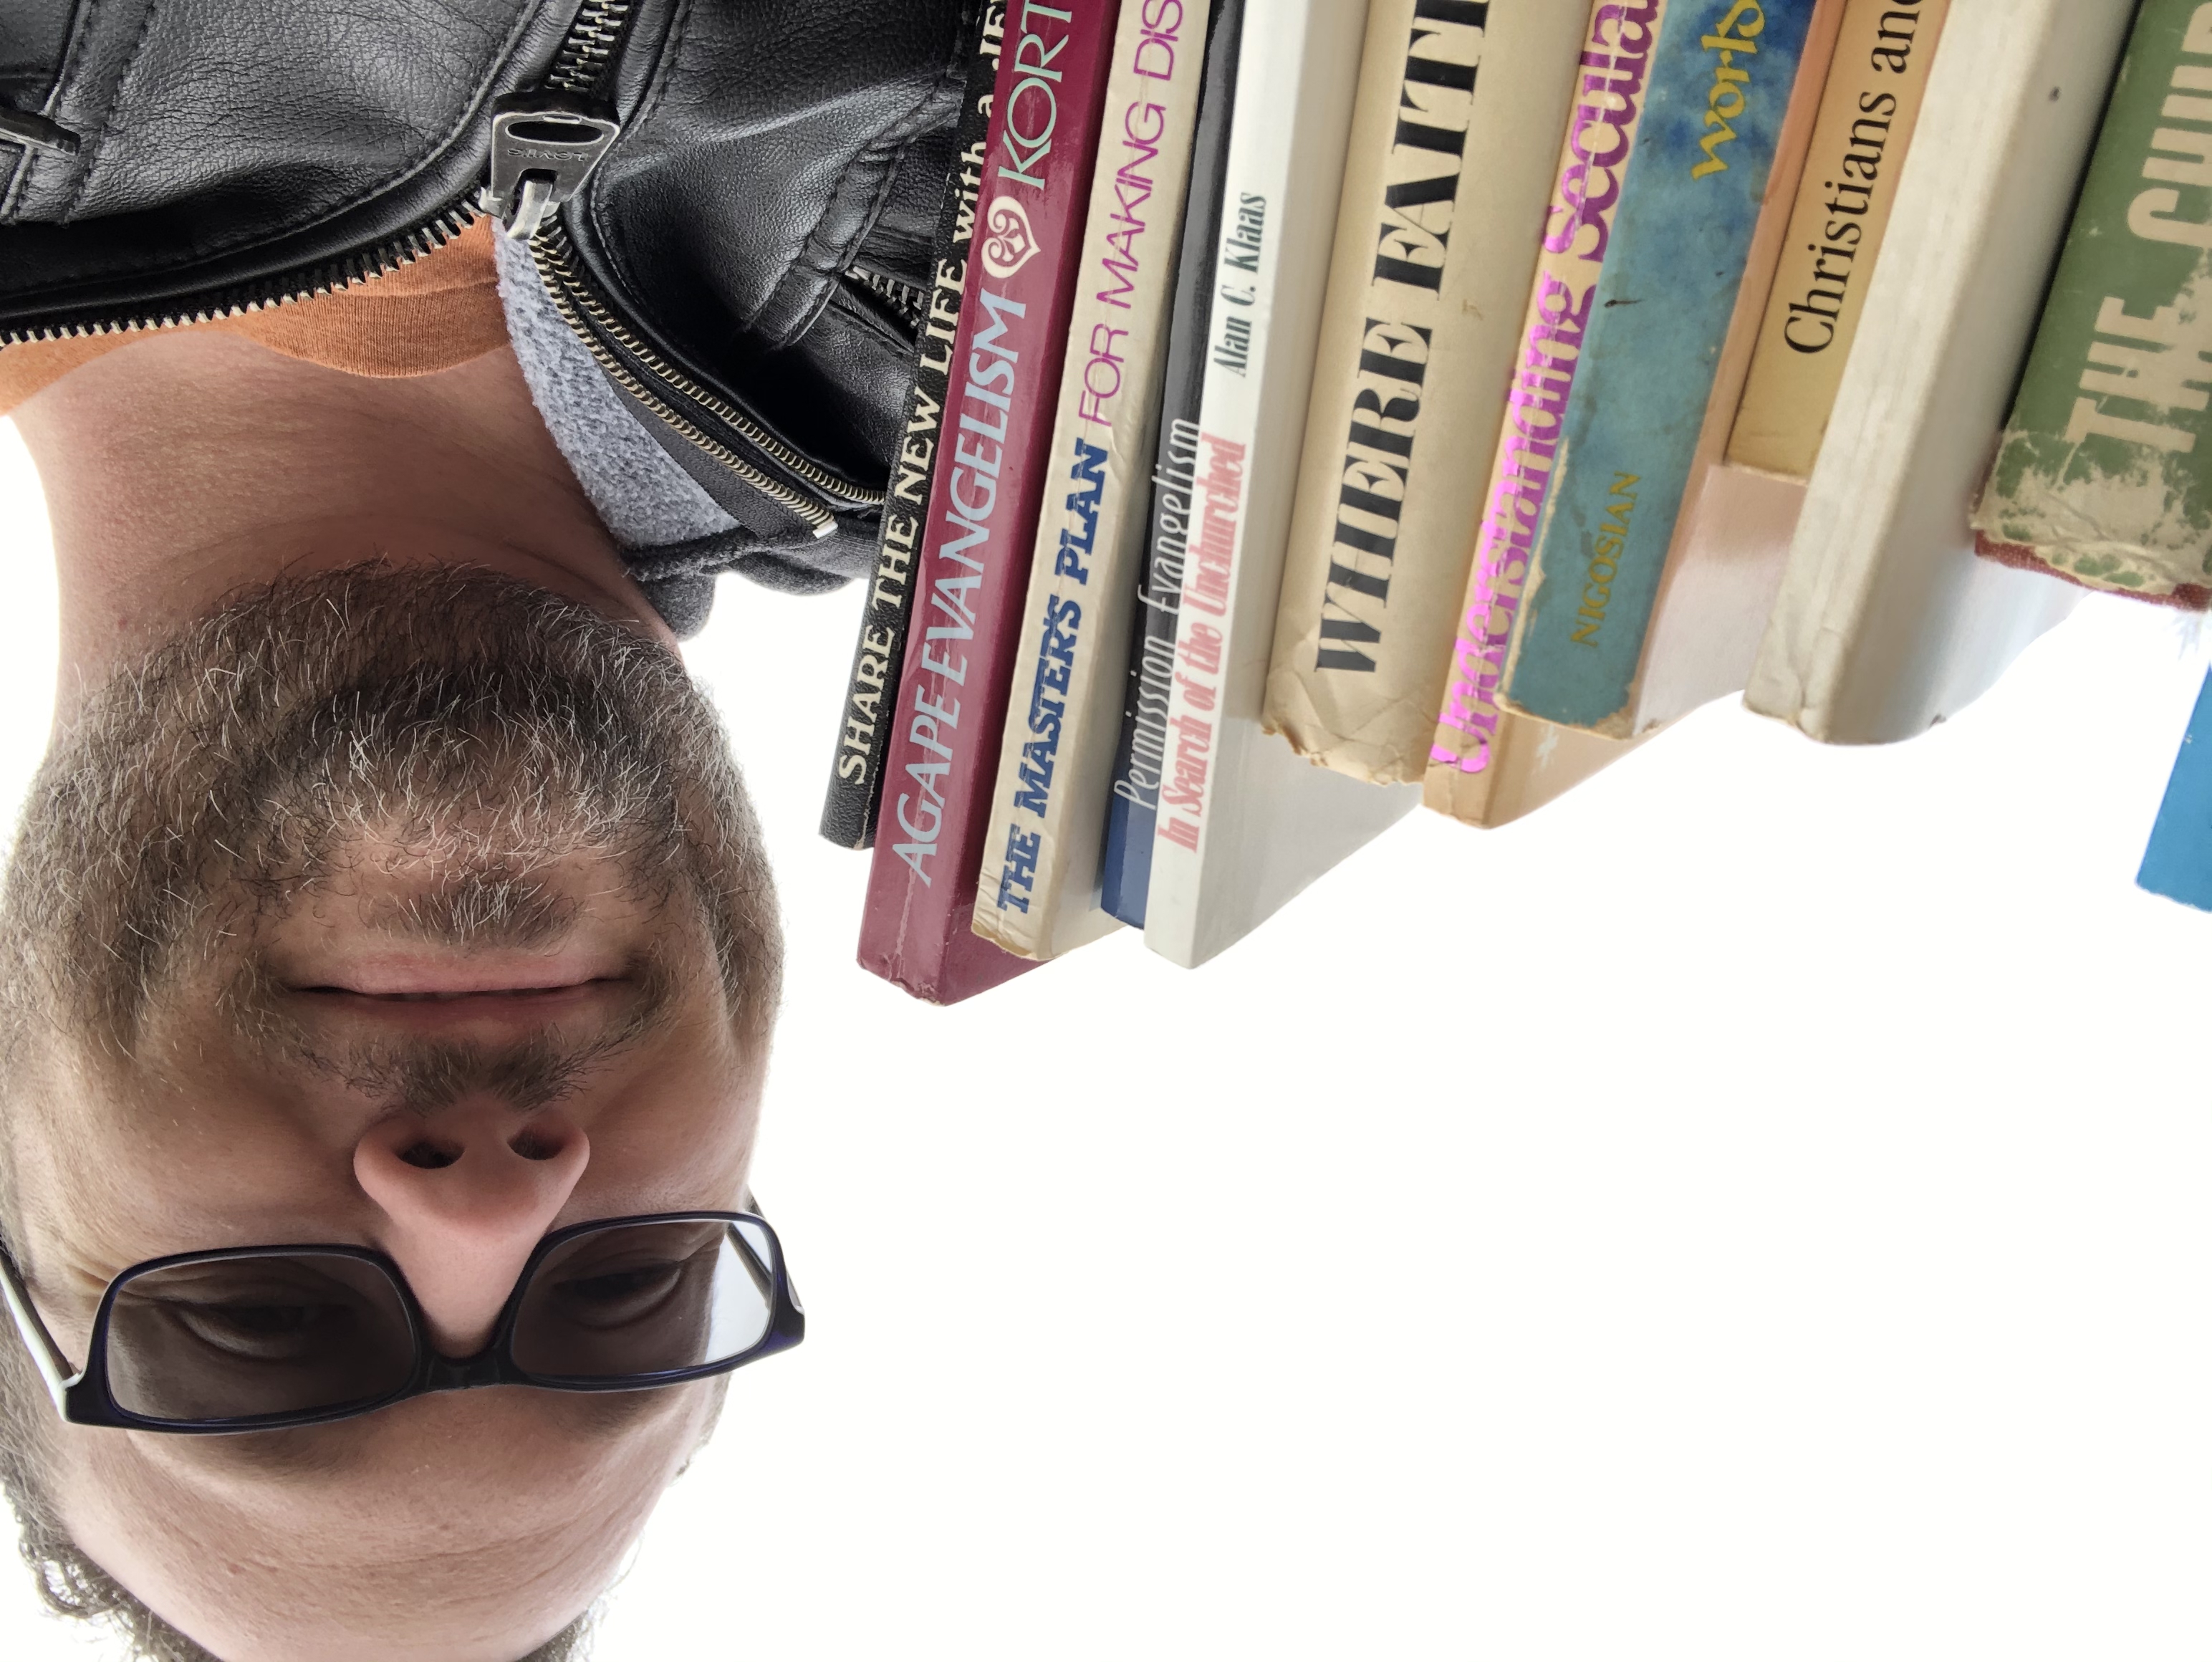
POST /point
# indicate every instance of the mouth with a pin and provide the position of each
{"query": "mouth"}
(473, 994)
(421, 977)
(451, 997)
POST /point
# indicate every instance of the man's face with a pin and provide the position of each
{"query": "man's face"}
(413, 912)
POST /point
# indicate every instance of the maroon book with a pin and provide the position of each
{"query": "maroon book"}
(1000, 400)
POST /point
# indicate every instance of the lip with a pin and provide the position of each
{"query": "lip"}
(492, 1017)
(425, 977)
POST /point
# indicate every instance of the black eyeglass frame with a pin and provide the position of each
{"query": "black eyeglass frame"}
(82, 1396)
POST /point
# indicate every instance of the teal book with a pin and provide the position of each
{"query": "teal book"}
(2178, 863)
(1718, 89)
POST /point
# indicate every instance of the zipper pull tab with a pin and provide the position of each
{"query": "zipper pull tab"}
(543, 146)
(21, 127)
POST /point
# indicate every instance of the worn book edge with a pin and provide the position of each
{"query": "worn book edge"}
(1457, 133)
(2102, 473)
(1886, 621)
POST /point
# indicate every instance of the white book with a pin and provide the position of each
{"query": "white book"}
(1887, 621)
(1064, 721)
(1244, 823)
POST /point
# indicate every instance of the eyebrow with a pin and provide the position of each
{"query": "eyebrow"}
(341, 1447)
(323, 1450)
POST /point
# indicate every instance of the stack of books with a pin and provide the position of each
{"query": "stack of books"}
(1326, 409)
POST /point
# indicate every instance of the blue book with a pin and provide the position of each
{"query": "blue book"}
(2178, 863)
(1133, 809)
(1721, 79)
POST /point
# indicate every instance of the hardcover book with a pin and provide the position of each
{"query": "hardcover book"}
(1132, 807)
(2178, 864)
(1884, 621)
(1869, 112)
(983, 507)
(1454, 145)
(1243, 823)
(2105, 473)
(1039, 893)
(1653, 395)
(856, 776)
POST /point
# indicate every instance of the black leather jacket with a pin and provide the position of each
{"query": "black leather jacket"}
(744, 258)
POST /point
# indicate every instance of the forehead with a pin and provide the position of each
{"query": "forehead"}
(505, 1510)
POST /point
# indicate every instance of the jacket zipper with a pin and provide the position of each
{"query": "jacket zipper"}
(589, 47)
(674, 399)
(544, 147)
(908, 300)
(377, 260)
(583, 54)
(579, 133)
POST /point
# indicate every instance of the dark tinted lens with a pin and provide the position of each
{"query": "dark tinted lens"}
(646, 1297)
(275, 1333)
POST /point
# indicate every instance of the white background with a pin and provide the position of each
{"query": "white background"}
(1759, 1208)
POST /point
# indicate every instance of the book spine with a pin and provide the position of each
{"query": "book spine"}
(1132, 806)
(856, 775)
(1297, 77)
(1245, 265)
(1039, 889)
(1884, 622)
(2105, 471)
(1201, 658)
(1601, 137)
(1454, 147)
(1720, 77)
(973, 572)
(2178, 864)
(1868, 110)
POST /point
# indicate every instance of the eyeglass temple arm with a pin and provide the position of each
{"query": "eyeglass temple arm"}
(53, 1367)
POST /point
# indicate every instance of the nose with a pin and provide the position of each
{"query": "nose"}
(465, 1196)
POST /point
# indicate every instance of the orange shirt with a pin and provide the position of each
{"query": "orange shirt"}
(440, 311)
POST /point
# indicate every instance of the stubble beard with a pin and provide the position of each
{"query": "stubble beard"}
(461, 733)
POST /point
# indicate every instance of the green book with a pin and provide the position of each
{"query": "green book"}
(2104, 475)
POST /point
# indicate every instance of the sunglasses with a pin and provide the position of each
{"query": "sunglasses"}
(256, 1337)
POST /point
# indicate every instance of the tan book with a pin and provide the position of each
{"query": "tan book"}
(1039, 893)
(1529, 764)
(1869, 112)
(1455, 143)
